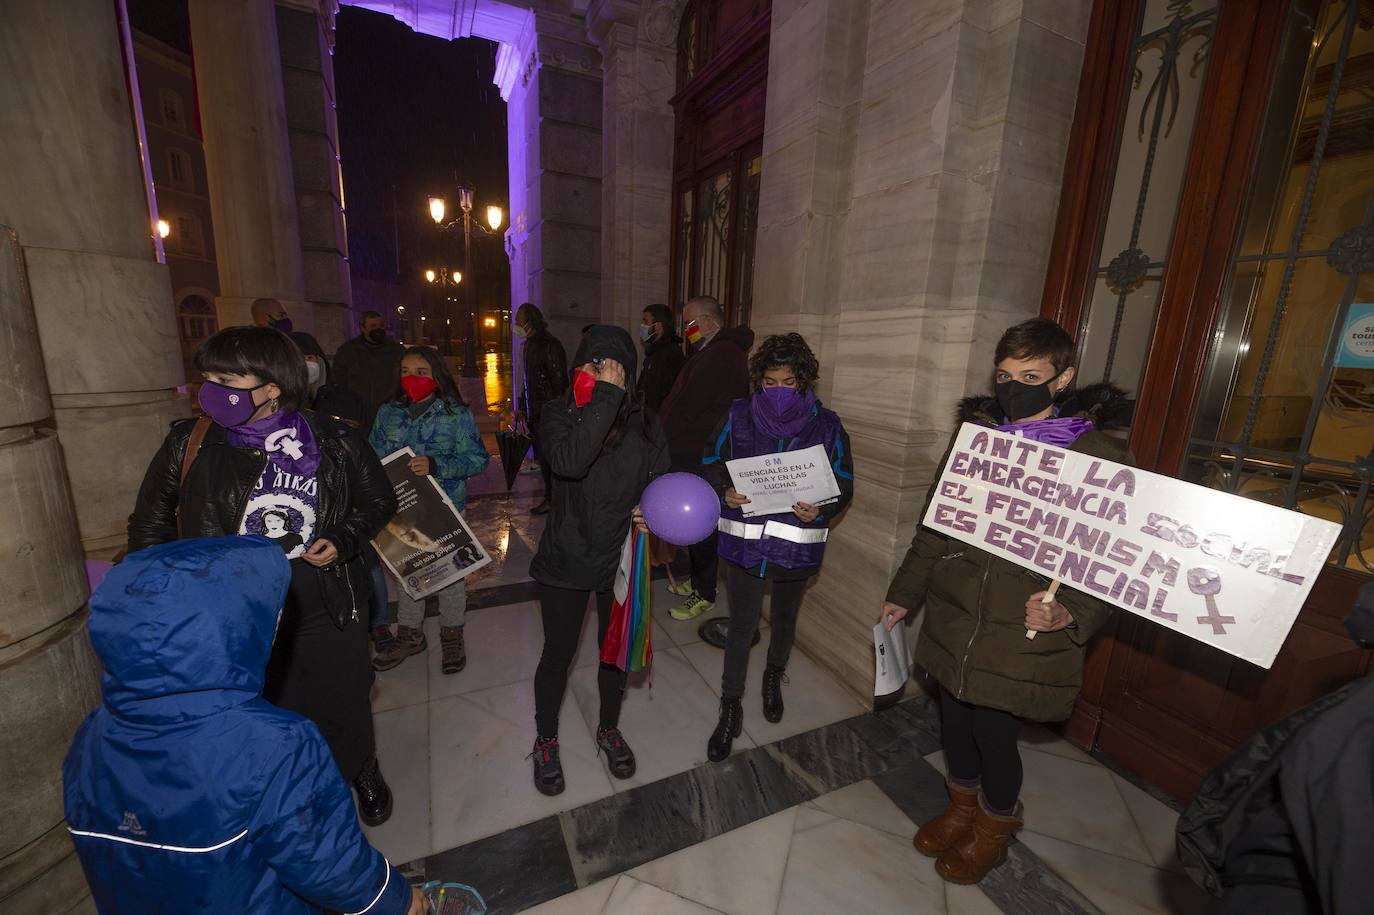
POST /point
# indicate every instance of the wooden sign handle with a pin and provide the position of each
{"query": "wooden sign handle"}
(1048, 599)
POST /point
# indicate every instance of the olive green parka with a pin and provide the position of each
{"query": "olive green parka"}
(973, 639)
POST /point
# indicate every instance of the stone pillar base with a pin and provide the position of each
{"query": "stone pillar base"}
(108, 440)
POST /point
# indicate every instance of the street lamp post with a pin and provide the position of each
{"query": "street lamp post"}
(495, 215)
(446, 279)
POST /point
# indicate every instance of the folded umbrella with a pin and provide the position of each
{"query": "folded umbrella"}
(513, 445)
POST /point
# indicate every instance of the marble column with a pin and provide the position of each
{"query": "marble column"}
(248, 159)
(638, 54)
(913, 156)
(305, 32)
(552, 86)
(74, 191)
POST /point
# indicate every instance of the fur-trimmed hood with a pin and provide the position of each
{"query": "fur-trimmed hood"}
(1104, 403)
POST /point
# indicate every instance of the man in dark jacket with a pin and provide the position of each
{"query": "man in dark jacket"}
(1286, 825)
(663, 356)
(186, 791)
(711, 379)
(545, 377)
(369, 365)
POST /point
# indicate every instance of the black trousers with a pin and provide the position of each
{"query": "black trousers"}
(563, 611)
(324, 673)
(746, 606)
(703, 555)
(980, 746)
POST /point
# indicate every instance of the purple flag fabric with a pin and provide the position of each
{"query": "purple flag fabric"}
(1060, 431)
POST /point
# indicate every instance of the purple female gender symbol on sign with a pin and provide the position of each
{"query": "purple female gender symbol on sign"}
(1207, 582)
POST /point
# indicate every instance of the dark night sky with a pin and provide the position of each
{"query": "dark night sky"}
(417, 115)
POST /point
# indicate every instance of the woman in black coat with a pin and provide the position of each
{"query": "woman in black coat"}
(663, 356)
(258, 464)
(604, 447)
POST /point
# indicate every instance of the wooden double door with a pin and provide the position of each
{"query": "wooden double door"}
(1215, 256)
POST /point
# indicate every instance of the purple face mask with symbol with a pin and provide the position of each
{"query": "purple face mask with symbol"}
(286, 437)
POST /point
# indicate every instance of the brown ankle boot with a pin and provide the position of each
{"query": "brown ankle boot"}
(982, 848)
(455, 656)
(939, 835)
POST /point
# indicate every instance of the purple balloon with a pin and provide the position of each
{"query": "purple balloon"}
(680, 508)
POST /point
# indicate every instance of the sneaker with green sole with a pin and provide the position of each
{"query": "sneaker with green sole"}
(691, 608)
(682, 588)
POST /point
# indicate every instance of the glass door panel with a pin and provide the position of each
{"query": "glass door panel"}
(1286, 413)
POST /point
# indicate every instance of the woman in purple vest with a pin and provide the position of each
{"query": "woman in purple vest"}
(782, 414)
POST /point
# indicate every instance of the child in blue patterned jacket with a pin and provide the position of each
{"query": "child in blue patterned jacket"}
(428, 416)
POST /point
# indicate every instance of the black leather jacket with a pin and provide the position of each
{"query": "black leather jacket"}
(546, 373)
(355, 496)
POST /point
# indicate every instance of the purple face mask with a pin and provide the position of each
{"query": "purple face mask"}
(228, 406)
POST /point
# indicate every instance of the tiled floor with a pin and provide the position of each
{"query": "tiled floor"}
(453, 748)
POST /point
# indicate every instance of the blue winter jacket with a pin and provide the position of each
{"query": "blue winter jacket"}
(445, 432)
(186, 791)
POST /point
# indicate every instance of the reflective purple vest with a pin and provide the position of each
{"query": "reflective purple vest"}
(782, 538)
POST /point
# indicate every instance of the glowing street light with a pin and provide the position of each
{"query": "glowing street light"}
(436, 209)
(430, 276)
(494, 217)
(489, 322)
(164, 228)
(457, 277)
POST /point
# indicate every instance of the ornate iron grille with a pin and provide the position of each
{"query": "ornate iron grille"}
(1241, 442)
(1164, 55)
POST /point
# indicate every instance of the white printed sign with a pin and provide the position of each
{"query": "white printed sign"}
(776, 482)
(1219, 568)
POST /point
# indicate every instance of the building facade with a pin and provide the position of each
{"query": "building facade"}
(1188, 185)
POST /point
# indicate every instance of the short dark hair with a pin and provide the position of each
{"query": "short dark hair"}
(362, 319)
(785, 351)
(661, 314)
(1036, 338)
(438, 368)
(268, 354)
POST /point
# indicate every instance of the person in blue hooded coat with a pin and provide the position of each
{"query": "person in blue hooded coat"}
(186, 791)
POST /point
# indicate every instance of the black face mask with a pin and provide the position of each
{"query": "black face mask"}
(376, 335)
(1019, 400)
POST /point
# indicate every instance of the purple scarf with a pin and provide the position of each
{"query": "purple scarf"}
(781, 415)
(1060, 431)
(287, 439)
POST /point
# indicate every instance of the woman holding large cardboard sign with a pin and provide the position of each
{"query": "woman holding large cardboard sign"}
(978, 609)
(781, 416)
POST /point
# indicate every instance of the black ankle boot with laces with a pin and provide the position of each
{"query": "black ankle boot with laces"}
(773, 679)
(731, 723)
(374, 797)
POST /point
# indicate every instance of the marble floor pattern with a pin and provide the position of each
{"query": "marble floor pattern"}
(812, 814)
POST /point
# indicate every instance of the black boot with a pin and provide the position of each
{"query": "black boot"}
(772, 693)
(374, 797)
(548, 771)
(619, 757)
(731, 723)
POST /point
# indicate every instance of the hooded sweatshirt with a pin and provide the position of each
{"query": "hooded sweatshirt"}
(185, 790)
(598, 484)
(710, 380)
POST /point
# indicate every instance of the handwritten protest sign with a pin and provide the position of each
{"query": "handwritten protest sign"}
(1219, 568)
(776, 482)
(427, 545)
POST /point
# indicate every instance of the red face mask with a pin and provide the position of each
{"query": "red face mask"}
(418, 387)
(583, 385)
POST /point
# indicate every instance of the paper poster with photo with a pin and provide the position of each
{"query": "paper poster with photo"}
(1219, 568)
(427, 545)
(776, 482)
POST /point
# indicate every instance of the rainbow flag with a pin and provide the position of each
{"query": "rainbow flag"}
(628, 644)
